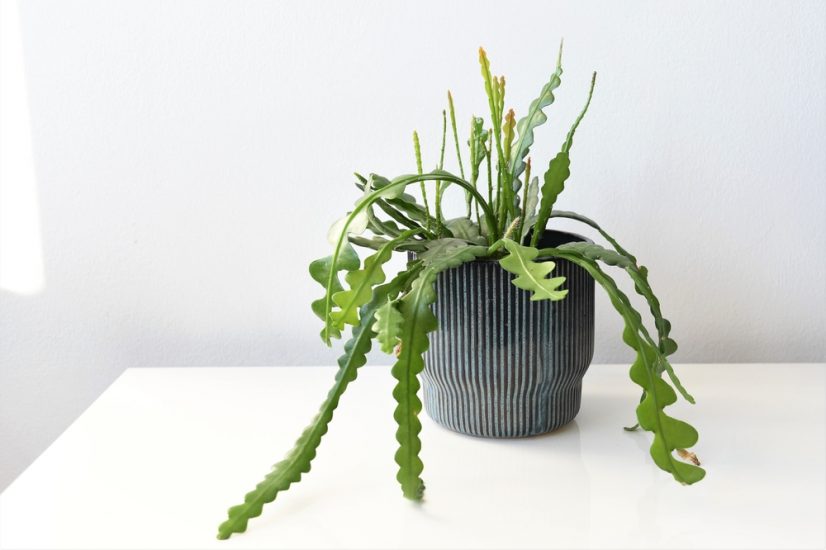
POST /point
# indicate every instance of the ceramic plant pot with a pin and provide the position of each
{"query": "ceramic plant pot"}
(500, 365)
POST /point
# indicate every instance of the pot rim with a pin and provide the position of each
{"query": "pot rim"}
(576, 238)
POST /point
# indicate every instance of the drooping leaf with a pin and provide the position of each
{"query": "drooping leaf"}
(397, 215)
(596, 252)
(332, 284)
(357, 223)
(463, 228)
(530, 274)
(321, 272)
(388, 326)
(535, 118)
(382, 227)
(445, 247)
(595, 225)
(639, 274)
(418, 322)
(405, 208)
(557, 173)
(357, 226)
(669, 433)
(376, 243)
(361, 283)
(297, 462)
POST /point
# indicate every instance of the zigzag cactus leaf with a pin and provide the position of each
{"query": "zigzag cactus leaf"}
(532, 200)
(320, 270)
(361, 283)
(531, 275)
(638, 274)
(297, 461)
(596, 252)
(388, 326)
(557, 173)
(465, 229)
(535, 118)
(439, 249)
(669, 433)
(478, 138)
(554, 178)
(418, 322)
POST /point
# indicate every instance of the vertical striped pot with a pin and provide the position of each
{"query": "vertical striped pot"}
(500, 365)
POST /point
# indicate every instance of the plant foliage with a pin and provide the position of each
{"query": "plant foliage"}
(496, 223)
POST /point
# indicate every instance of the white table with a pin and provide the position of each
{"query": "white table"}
(157, 459)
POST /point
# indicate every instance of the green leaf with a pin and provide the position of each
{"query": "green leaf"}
(531, 275)
(595, 225)
(297, 461)
(463, 228)
(397, 215)
(376, 243)
(669, 433)
(530, 206)
(569, 139)
(455, 134)
(381, 227)
(418, 322)
(557, 173)
(639, 274)
(441, 248)
(322, 272)
(509, 133)
(494, 89)
(406, 209)
(535, 118)
(353, 223)
(332, 284)
(596, 252)
(388, 327)
(361, 283)
(477, 141)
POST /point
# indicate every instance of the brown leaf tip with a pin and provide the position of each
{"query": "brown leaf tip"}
(689, 456)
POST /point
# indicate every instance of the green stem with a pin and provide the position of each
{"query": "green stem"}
(455, 134)
(418, 150)
(488, 152)
(458, 149)
(525, 186)
(439, 189)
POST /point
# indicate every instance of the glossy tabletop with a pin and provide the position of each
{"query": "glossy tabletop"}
(157, 459)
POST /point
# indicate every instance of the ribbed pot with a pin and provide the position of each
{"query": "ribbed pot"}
(500, 365)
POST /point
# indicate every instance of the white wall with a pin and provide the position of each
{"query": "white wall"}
(189, 157)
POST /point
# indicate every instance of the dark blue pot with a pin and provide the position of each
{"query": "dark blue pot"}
(500, 365)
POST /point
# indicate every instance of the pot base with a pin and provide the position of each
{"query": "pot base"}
(502, 416)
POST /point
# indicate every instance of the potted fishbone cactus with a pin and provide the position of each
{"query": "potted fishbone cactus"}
(494, 310)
